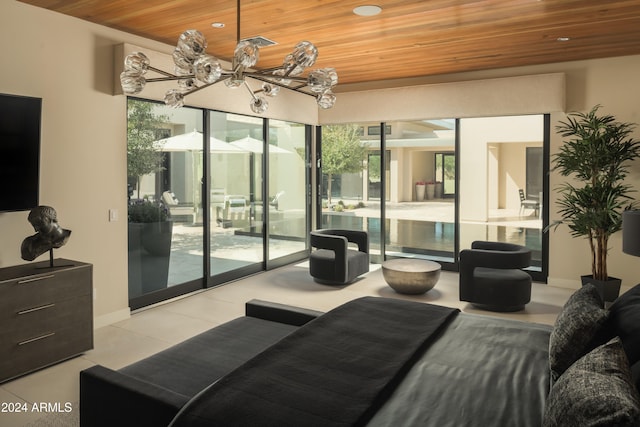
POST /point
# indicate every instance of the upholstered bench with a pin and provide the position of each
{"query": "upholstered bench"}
(152, 391)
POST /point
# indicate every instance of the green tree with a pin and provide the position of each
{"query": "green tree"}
(143, 152)
(342, 152)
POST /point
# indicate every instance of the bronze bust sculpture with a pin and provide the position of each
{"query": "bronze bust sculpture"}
(49, 234)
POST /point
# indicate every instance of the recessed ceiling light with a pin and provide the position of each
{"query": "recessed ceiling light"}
(217, 24)
(367, 10)
(563, 39)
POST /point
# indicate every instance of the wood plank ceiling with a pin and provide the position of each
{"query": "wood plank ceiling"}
(409, 38)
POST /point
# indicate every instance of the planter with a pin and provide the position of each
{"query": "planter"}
(439, 190)
(431, 191)
(149, 255)
(420, 189)
(608, 289)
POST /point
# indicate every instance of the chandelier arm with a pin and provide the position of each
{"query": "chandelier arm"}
(288, 71)
(166, 79)
(270, 70)
(159, 71)
(267, 80)
(299, 87)
(253, 95)
(259, 75)
(196, 89)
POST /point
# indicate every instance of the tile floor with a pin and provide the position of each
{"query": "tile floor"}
(151, 330)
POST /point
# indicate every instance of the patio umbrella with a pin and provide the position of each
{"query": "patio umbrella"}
(192, 141)
(256, 146)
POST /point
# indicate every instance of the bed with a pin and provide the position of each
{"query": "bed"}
(390, 362)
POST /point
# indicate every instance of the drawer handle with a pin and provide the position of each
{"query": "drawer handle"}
(31, 310)
(37, 338)
(35, 279)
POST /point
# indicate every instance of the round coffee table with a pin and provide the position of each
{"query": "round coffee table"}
(411, 276)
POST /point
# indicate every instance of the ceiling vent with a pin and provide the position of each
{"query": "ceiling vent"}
(260, 41)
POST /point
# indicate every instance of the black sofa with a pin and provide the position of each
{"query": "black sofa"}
(384, 362)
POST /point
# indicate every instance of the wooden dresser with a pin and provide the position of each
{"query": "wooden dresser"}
(46, 315)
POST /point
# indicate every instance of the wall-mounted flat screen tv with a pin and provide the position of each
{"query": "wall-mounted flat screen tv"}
(19, 152)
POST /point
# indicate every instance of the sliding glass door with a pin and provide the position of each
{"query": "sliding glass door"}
(165, 233)
(351, 192)
(440, 185)
(500, 158)
(401, 177)
(421, 215)
(287, 208)
(235, 237)
(213, 196)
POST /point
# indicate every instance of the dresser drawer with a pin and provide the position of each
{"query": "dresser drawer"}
(18, 358)
(34, 291)
(35, 321)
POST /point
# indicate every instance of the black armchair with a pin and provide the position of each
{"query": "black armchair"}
(335, 262)
(491, 277)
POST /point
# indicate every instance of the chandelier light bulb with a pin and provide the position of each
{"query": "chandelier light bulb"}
(187, 84)
(132, 84)
(269, 89)
(207, 69)
(321, 80)
(184, 64)
(136, 62)
(246, 54)
(259, 105)
(326, 100)
(174, 98)
(192, 44)
(305, 54)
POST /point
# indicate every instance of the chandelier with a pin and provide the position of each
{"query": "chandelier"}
(195, 70)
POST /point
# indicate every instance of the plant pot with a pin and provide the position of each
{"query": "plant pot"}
(149, 256)
(420, 192)
(431, 191)
(439, 189)
(156, 237)
(609, 289)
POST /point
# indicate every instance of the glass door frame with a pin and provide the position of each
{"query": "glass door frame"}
(207, 280)
(540, 276)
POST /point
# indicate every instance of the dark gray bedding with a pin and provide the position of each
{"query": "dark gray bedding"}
(481, 371)
(335, 371)
(471, 371)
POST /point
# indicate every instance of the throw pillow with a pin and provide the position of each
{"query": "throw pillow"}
(579, 328)
(624, 321)
(595, 391)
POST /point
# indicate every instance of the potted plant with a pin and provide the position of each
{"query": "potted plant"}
(152, 219)
(596, 152)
